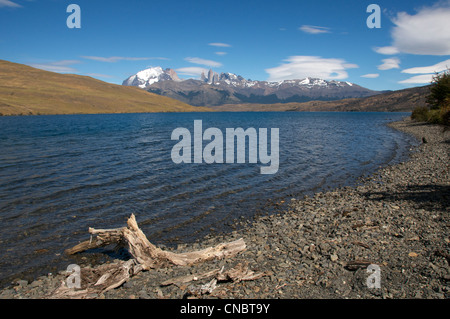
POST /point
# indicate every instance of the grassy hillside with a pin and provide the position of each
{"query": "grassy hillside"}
(396, 101)
(26, 90)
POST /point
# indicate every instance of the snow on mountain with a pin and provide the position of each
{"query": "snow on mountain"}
(147, 77)
(143, 79)
(234, 80)
(229, 88)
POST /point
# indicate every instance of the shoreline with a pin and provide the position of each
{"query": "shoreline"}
(396, 219)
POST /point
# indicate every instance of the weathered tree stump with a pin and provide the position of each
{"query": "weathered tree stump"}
(145, 256)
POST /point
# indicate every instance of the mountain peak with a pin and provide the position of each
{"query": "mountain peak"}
(143, 79)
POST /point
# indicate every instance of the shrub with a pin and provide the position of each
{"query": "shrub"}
(440, 90)
(446, 118)
(420, 114)
(445, 112)
(434, 117)
(438, 100)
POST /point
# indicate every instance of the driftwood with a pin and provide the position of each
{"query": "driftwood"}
(357, 264)
(104, 237)
(238, 273)
(99, 279)
(145, 256)
(188, 278)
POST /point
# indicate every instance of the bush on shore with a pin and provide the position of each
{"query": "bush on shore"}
(438, 111)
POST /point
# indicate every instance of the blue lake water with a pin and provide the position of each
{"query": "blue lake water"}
(60, 175)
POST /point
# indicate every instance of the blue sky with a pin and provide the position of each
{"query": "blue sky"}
(260, 40)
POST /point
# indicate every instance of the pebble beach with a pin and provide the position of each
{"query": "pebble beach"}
(324, 246)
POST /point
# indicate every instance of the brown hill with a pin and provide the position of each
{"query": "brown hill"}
(26, 90)
(396, 101)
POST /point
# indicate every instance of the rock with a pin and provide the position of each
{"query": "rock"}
(22, 283)
(36, 283)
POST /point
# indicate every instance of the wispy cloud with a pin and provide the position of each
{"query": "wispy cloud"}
(220, 44)
(391, 63)
(426, 72)
(312, 29)
(418, 79)
(210, 63)
(63, 66)
(8, 3)
(370, 75)
(115, 59)
(438, 67)
(298, 67)
(221, 53)
(389, 50)
(191, 71)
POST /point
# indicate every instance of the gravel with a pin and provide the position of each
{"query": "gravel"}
(322, 246)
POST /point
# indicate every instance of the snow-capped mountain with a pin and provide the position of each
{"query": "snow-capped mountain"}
(143, 79)
(238, 81)
(228, 88)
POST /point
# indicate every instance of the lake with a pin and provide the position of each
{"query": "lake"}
(61, 174)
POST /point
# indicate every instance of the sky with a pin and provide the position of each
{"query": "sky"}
(259, 40)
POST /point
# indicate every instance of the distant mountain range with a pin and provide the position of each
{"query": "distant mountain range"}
(215, 89)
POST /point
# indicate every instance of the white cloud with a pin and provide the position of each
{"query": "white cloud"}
(299, 67)
(429, 70)
(424, 33)
(386, 50)
(57, 66)
(219, 44)
(391, 63)
(418, 79)
(7, 3)
(221, 53)
(312, 29)
(200, 61)
(191, 71)
(115, 59)
(438, 67)
(370, 75)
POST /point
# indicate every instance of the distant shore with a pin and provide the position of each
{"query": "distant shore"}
(397, 220)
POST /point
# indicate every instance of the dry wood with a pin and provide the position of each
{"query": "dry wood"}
(146, 256)
(185, 279)
(203, 289)
(104, 238)
(99, 279)
(240, 272)
(356, 264)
